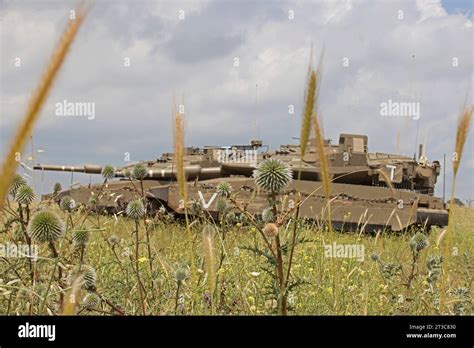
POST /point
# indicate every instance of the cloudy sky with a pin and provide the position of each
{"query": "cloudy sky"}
(374, 51)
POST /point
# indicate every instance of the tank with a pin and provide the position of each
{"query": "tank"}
(370, 191)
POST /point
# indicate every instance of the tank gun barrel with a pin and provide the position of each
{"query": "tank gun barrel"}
(153, 173)
(88, 168)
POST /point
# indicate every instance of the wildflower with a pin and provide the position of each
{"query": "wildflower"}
(135, 209)
(24, 194)
(271, 230)
(46, 227)
(139, 172)
(108, 172)
(273, 175)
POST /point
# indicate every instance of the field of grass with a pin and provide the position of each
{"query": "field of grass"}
(115, 265)
(176, 280)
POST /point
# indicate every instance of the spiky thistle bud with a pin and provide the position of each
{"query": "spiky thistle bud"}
(135, 209)
(88, 275)
(418, 242)
(16, 183)
(243, 219)
(230, 217)
(267, 215)
(139, 171)
(180, 275)
(272, 175)
(114, 240)
(375, 257)
(224, 189)
(270, 230)
(45, 227)
(91, 301)
(81, 238)
(57, 188)
(24, 194)
(108, 172)
(67, 203)
(221, 205)
(195, 208)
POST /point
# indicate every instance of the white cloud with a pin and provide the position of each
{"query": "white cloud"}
(389, 57)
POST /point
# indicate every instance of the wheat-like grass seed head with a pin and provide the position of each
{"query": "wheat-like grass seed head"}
(464, 124)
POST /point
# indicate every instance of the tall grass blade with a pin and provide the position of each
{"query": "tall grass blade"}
(37, 101)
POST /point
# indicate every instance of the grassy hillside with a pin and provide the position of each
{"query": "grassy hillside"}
(176, 280)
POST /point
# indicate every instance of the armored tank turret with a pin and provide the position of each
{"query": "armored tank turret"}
(369, 189)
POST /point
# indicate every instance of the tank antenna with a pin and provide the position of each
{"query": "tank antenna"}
(257, 135)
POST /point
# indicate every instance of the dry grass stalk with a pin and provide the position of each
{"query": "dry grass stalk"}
(464, 124)
(308, 111)
(323, 163)
(209, 256)
(37, 100)
(388, 182)
(70, 300)
(462, 131)
(179, 156)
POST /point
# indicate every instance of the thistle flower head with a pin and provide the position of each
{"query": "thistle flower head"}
(108, 172)
(24, 194)
(221, 205)
(267, 215)
(224, 189)
(91, 301)
(135, 209)
(67, 203)
(139, 171)
(45, 227)
(114, 240)
(375, 257)
(195, 208)
(180, 275)
(16, 183)
(127, 173)
(418, 242)
(272, 175)
(57, 188)
(270, 230)
(89, 275)
(81, 237)
(230, 217)
(243, 219)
